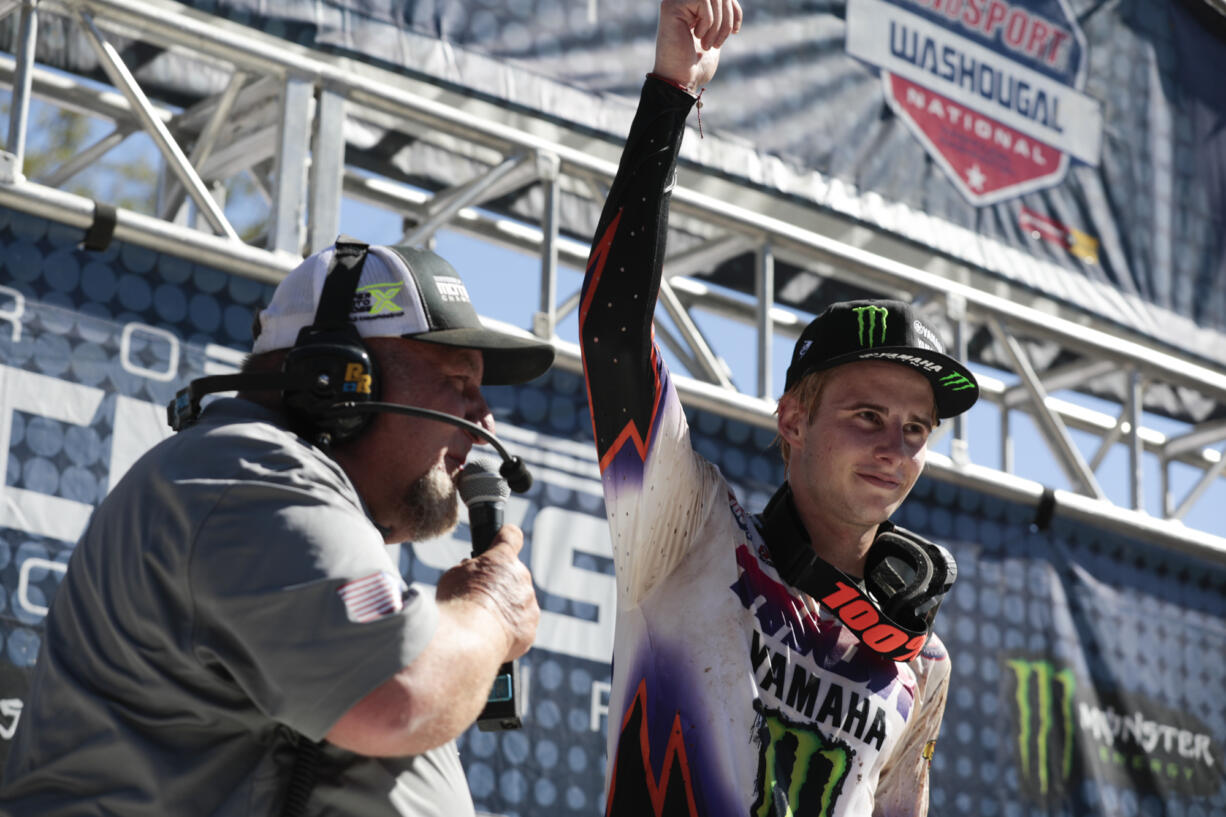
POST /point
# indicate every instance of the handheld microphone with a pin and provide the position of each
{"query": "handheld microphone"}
(485, 494)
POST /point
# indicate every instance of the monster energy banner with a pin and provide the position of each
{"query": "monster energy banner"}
(1066, 735)
(1089, 671)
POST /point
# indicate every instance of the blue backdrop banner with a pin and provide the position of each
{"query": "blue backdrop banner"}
(1089, 670)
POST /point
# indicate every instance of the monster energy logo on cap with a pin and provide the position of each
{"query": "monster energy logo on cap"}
(883, 330)
(872, 313)
(956, 381)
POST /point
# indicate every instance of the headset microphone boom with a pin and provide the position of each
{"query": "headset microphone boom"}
(513, 469)
(185, 408)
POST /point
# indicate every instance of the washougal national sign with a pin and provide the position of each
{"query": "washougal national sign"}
(993, 89)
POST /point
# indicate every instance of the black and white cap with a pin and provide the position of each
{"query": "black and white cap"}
(850, 331)
(403, 292)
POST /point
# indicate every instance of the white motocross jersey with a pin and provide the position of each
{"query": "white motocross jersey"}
(733, 693)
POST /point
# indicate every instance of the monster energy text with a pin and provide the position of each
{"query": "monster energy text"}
(1117, 731)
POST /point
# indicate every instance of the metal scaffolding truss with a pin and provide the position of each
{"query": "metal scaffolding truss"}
(284, 117)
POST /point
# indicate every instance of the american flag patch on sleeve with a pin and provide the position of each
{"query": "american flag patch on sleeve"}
(372, 597)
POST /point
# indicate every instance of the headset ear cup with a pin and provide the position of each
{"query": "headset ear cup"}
(330, 357)
(340, 370)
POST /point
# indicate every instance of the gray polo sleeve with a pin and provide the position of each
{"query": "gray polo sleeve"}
(294, 599)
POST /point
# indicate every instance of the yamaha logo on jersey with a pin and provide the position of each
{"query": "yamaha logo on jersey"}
(992, 88)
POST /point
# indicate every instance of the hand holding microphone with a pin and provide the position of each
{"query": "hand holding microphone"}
(485, 495)
(496, 577)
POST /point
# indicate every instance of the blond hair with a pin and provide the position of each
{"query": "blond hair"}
(807, 392)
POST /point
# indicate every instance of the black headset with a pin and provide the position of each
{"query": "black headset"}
(329, 383)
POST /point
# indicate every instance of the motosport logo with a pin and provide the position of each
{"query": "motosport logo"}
(991, 88)
(1067, 731)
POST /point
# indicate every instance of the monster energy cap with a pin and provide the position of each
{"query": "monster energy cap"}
(402, 292)
(883, 330)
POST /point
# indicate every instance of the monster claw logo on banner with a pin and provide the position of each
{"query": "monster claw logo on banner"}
(1045, 725)
(992, 88)
(1067, 731)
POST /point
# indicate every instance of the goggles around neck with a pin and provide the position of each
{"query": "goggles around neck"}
(891, 610)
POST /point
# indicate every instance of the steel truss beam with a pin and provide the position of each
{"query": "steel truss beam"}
(285, 115)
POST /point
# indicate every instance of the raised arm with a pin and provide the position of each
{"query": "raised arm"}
(689, 37)
(623, 272)
(655, 487)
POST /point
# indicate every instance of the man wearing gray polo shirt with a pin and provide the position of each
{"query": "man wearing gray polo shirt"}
(231, 636)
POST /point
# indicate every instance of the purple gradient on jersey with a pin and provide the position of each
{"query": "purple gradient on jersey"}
(623, 473)
(668, 695)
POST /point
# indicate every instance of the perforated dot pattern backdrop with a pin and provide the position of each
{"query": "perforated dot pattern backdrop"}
(1089, 670)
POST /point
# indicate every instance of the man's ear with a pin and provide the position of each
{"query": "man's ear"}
(792, 421)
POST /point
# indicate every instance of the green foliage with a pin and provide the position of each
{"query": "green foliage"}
(126, 175)
(122, 177)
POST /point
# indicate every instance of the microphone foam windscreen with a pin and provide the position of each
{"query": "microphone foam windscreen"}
(478, 483)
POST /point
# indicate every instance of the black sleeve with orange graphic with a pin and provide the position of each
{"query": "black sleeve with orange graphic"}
(623, 275)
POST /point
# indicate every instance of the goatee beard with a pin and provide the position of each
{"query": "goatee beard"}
(430, 505)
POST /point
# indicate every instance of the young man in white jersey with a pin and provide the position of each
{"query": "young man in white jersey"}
(780, 663)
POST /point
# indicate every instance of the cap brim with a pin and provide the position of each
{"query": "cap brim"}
(508, 359)
(950, 400)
